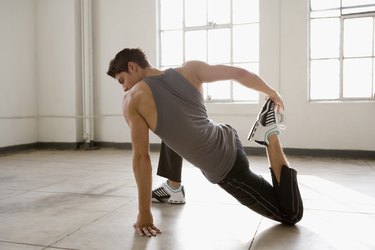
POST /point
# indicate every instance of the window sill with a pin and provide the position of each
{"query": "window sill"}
(337, 101)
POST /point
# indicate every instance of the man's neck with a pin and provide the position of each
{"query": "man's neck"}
(150, 71)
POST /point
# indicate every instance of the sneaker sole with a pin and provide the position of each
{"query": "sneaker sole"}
(176, 202)
(167, 201)
(155, 200)
(255, 126)
(252, 131)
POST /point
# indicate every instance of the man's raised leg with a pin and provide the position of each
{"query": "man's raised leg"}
(265, 131)
(284, 181)
(276, 156)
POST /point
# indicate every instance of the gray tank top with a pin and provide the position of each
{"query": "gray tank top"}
(183, 125)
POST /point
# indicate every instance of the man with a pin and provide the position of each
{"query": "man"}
(170, 103)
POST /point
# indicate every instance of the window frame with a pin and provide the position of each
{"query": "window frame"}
(209, 26)
(342, 17)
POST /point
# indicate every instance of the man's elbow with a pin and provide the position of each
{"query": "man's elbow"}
(241, 73)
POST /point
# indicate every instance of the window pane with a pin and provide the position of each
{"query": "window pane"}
(205, 95)
(246, 43)
(171, 48)
(324, 4)
(186, 34)
(196, 45)
(347, 3)
(170, 14)
(242, 93)
(219, 11)
(325, 38)
(218, 90)
(245, 11)
(358, 37)
(358, 10)
(324, 77)
(219, 46)
(325, 13)
(358, 77)
(357, 6)
(195, 13)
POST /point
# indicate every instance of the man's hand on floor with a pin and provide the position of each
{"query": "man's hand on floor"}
(145, 226)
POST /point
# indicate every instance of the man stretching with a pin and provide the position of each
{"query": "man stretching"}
(170, 103)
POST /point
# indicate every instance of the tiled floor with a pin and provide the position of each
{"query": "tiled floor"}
(87, 200)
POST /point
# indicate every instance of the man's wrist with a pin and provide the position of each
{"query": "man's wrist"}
(144, 211)
(272, 93)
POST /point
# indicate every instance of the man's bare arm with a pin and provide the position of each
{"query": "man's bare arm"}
(141, 165)
(212, 73)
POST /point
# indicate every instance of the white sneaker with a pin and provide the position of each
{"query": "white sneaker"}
(266, 124)
(164, 193)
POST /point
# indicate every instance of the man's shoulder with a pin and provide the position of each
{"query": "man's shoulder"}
(136, 94)
(191, 65)
(130, 104)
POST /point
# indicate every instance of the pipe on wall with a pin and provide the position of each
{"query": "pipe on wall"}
(87, 74)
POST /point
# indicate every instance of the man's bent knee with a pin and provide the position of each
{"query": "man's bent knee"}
(294, 218)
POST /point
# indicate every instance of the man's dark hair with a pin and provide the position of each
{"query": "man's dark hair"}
(120, 62)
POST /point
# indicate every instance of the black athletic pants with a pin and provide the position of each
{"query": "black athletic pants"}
(281, 201)
(170, 164)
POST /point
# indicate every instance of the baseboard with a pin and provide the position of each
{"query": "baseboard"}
(331, 153)
(155, 147)
(17, 148)
(40, 145)
(326, 153)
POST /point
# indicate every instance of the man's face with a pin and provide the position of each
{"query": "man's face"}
(124, 79)
(130, 78)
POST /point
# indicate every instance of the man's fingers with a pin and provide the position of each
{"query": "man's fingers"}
(139, 231)
(151, 231)
(154, 230)
(157, 230)
(280, 107)
(147, 231)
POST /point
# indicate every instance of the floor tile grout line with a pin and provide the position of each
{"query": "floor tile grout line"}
(86, 194)
(59, 248)
(15, 195)
(21, 243)
(35, 245)
(97, 219)
(50, 184)
(255, 234)
(22, 191)
(341, 211)
(88, 224)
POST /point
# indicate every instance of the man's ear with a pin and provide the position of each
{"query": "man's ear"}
(132, 67)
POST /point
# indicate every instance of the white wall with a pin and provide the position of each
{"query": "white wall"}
(40, 71)
(18, 123)
(58, 70)
(118, 24)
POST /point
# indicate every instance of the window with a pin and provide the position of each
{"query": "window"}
(342, 49)
(214, 31)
